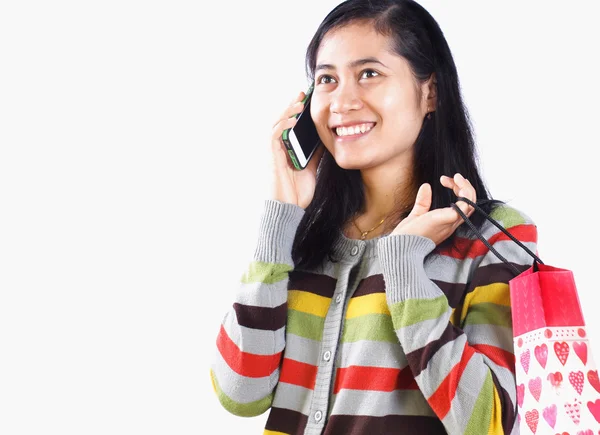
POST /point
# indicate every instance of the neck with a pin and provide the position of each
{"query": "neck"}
(383, 186)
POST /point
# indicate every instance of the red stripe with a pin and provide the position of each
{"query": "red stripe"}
(468, 248)
(374, 379)
(442, 398)
(500, 356)
(298, 373)
(244, 363)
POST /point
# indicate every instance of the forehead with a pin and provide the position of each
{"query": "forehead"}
(353, 41)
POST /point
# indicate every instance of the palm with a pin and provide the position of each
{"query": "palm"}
(297, 187)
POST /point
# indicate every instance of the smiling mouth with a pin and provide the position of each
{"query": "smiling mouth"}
(354, 131)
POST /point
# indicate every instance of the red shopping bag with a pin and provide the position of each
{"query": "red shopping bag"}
(557, 379)
(558, 390)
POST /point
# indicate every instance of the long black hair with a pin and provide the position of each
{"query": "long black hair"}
(444, 146)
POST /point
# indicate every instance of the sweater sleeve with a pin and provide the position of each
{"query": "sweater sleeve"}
(465, 368)
(251, 339)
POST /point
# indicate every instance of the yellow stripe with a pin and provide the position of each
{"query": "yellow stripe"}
(496, 420)
(453, 319)
(308, 302)
(375, 303)
(496, 293)
(272, 432)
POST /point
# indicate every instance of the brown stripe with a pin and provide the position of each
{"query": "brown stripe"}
(418, 359)
(508, 408)
(321, 285)
(387, 425)
(270, 319)
(286, 421)
(493, 273)
(369, 285)
(454, 291)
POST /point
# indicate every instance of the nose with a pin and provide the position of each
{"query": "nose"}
(345, 98)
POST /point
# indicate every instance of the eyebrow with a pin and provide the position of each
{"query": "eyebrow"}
(352, 64)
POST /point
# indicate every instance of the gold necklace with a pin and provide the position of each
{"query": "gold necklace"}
(363, 234)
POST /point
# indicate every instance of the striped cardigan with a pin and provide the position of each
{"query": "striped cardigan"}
(388, 340)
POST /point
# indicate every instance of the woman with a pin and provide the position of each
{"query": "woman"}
(368, 308)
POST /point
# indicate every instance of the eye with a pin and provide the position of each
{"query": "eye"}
(324, 79)
(369, 73)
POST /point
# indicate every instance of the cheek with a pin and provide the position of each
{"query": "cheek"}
(319, 114)
(401, 111)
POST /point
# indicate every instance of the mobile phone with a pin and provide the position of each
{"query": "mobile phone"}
(302, 140)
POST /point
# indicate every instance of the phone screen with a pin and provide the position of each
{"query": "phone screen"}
(305, 131)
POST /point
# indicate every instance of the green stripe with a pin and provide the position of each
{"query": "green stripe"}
(305, 325)
(488, 313)
(373, 327)
(507, 216)
(251, 409)
(482, 411)
(267, 273)
(413, 311)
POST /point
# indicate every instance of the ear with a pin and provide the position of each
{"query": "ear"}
(429, 92)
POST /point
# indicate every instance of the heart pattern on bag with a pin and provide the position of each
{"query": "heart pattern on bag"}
(525, 357)
(593, 378)
(574, 410)
(556, 400)
(594, 408)
(561, 349)
(532, 418)
(541, 354)
(555, 379)
(520, 394)
(576, 379)
(535, 386)
(580, 349)
(549, 415)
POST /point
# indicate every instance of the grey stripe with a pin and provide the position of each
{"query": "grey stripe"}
(499, 336)
(424, 331)
(511, 251)
(262, 295)
(256, 341)
(371, 354)
(292, 397)
(380, 403)
(440, 365)
(448, 269)
(240, 388)
(302, 349)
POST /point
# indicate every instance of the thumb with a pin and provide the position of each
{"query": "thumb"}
(423, 200)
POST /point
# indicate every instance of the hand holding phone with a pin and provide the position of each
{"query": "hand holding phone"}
(293, 183)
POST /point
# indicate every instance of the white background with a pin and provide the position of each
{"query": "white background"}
(134, 164)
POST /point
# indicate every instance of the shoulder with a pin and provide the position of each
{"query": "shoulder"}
(514, 220)
(509, 216)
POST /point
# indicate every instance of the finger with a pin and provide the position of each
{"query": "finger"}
(422, 201)
(449, 183)
(466, 190)
(283, 124)
(291, 111)
(299, 97)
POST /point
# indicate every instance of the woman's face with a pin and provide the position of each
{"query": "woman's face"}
(366, 105)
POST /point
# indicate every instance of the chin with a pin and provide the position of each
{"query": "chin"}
(349, 162)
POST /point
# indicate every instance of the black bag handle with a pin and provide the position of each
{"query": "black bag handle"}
(500, 227)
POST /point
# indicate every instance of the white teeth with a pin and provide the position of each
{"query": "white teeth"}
(355, 129)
